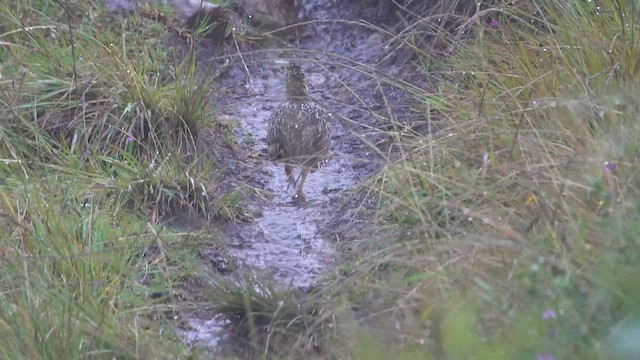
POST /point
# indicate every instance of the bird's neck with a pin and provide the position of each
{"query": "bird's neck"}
(297, 91)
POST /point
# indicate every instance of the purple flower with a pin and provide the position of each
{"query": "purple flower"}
(549, 314)
(129, 138)
(610, 167)
(545, 356)
(494, 23)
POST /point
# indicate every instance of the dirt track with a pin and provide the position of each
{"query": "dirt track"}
(346, 62)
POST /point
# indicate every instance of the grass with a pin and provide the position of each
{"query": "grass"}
(99, 146)
(76, 283)
(519, 203)
(511, 232)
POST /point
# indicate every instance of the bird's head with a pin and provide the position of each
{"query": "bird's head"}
(296, 82)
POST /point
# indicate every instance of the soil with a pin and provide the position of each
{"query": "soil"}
(352, 69)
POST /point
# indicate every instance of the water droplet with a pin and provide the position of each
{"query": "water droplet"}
(534, 267)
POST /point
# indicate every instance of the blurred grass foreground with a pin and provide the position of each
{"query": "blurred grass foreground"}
(511, 233)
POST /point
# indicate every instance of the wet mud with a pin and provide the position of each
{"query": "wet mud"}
(283, 238)
(351, 67)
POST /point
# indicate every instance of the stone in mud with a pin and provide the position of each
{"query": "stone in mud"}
(191, 12)
(271, 14)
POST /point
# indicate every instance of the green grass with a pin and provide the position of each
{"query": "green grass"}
(81, 281)
(99, 145)
(511, 233)
(527, 197)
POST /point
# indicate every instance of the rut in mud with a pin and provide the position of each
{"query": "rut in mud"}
(284, 238)
(292, 242)
(287, 239)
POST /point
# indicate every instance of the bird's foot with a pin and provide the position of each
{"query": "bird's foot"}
(299, 198)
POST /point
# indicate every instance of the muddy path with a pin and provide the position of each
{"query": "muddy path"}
(344, 61)
(283, 239)
(287, 239)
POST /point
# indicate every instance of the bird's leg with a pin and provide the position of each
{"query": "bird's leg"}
(303, 176)
(288, 169)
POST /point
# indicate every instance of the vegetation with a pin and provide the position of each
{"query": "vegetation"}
(516, 225)
(510, 233)
(99, 144)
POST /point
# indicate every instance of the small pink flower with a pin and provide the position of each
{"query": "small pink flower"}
(549, 314)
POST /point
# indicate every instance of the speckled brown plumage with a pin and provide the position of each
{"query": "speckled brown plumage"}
(298, 132)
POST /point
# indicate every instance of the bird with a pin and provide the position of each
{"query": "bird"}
(298, 132)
